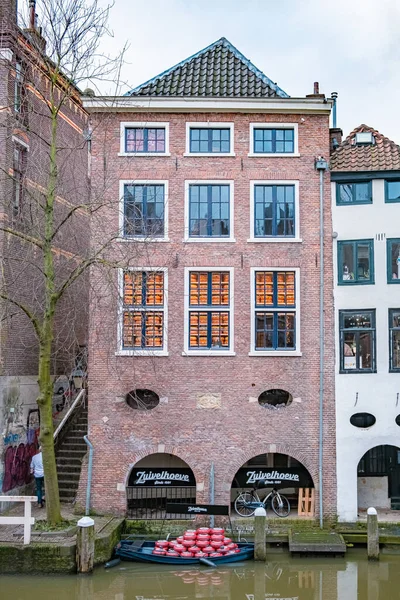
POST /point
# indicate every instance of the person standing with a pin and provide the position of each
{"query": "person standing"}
(38, 473)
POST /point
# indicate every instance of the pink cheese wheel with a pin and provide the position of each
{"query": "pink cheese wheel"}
(202, 543)
(216, 544)
(216, 537)
(187, 543)
(218, 530)
(180, 548)
(186, 555)
(203, 530)
(202, 536)
(208, 549)
(227, 541)
(214, 554)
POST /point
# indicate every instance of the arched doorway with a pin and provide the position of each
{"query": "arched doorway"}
(281, 471)
(155, 480)
(378, 478)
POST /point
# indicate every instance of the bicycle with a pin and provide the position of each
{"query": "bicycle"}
(247, 502)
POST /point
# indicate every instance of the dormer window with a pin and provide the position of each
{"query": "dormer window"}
(364, 138)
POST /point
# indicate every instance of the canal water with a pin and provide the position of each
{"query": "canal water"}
(281, 578)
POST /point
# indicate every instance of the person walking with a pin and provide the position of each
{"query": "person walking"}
(38, 473)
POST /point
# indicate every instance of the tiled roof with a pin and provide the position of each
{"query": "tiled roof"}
(383, 155)
(219, 70)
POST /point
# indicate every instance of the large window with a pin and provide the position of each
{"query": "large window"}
(18, 88)
(209, 138)
(393, 260)
(392, 191)
(19, 166)
(144, 210)
(354, 193)
(275, 310)
(394, 339)
(210, 141)
(357, 341)
(209, 310)
(143, 314)
(274, 211)
(356, 262)
(209, 211)
(145, 139)
(273, 141)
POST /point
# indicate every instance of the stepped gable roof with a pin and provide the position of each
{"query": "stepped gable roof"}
(218, 71)
(383, 155)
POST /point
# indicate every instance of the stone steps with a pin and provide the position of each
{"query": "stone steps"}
(69, 458)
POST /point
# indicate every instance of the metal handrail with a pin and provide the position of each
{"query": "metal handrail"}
(69, 412)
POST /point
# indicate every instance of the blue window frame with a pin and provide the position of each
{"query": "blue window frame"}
(355, 262)
(145, 139)
(273, 141)
(210, 140)
(143, 310)
(392, 191)
(354, 193)
(143, 210)
(209, 310)
(394, 340)
(393, 260)
(275, 310)
(357, 341)
(274, 211)
(209, 211)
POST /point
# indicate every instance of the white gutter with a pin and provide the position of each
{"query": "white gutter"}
(190, 104)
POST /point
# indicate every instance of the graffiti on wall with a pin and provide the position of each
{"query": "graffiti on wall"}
(17, 461)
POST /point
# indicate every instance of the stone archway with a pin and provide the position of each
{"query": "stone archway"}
(378, 478)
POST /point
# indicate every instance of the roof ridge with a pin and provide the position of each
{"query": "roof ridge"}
(224, 42)
(364, 127)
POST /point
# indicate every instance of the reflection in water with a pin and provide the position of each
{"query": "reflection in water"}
(352, 578)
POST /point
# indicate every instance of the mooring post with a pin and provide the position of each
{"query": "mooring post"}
(260, 549)
(85, 545)
(372, 534)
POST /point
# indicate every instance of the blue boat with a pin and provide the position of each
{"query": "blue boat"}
(141, 551)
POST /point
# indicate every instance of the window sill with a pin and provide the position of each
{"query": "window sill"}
(353, 203)
(272, 155)
(142, 240)
(139, 154)
(208, 240)
(274, 240)
(208, 154)
(393, 281)
(142, 353)
(357, 372)
(209, 353)
(275, 353)
(350, 283)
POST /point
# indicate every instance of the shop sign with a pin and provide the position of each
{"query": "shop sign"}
(272, 476)
(163, 477)
(197, 509)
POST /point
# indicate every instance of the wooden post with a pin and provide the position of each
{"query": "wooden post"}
(260, 549)
(85, 545)
(372, 534)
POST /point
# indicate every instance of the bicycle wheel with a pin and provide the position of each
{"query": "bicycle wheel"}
(241, 504)
(280, 505)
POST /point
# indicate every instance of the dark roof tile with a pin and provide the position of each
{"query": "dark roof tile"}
(219, 70)
(383, 155)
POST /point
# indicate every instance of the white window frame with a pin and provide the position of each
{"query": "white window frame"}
(141, 351)
(288, 353)
(122, 183)
(294, 126)
(230, 309)
(273, 240)
(207, 240)
(209, 125)
(126, 124)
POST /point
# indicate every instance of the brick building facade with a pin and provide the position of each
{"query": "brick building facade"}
(24, 178)
(228, 305)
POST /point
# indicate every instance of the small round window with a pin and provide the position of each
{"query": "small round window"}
(275, 398)
(362, 420)
(398, 420)
(142, 399)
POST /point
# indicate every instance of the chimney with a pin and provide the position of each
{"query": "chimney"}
(316, 93)
(34, 32)
(335, 138)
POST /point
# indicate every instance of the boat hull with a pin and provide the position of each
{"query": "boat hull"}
(126, 550)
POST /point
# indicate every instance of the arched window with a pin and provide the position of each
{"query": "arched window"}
(275, 398)
(142, 399)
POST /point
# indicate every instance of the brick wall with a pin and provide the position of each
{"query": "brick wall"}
(240, 428)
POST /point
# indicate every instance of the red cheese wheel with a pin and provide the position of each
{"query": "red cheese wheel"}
(189, 536)
(203, 530)
(180, 548)
(187, 543)
(186, 555)
(214, 554)
(202, 543)
(216, 537)
(227, 541)
(200, 555)
(159, 552)
(179, 539)
(218, 530)
(194, 549)
(162, 544)
(172, 553)
(208, 549)
(216, 544)
(202, 536)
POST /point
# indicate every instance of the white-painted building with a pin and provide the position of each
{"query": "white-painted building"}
(365, 172)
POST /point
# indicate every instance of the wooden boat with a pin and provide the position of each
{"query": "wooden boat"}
(141, 551)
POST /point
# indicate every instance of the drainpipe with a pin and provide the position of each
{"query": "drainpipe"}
(89, 479)
(321, 165)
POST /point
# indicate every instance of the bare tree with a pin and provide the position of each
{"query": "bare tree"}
(47, 251)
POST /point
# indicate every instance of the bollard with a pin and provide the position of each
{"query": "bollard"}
(260, 550)
(372, 534)
(85, 545)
